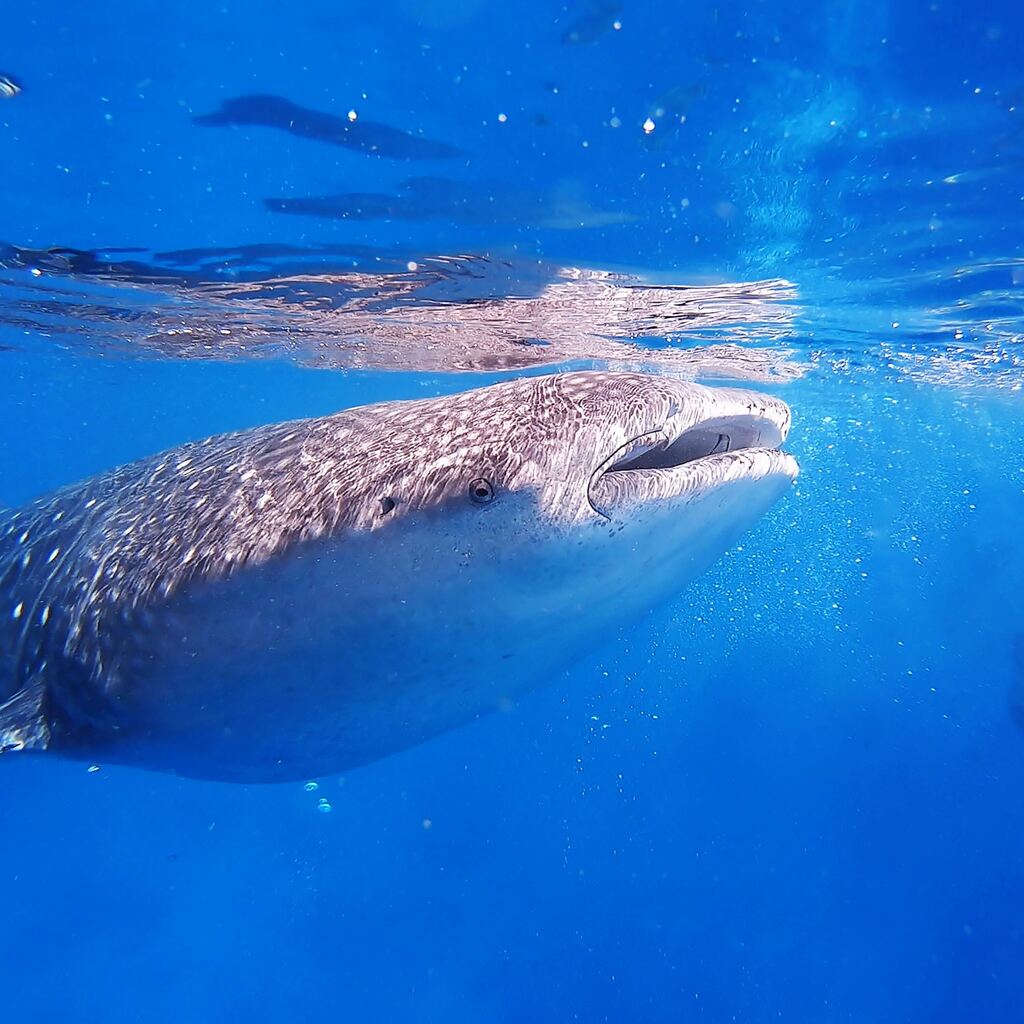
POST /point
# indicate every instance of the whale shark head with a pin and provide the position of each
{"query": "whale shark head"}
(405, 566)
(580, 457)
(576, 448)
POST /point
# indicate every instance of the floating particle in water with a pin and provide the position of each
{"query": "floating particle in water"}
(427, 823)
(9, 87)
(503, 118)
(93, 768)
(615, 122)
(311, 787)
(323, 805)
(353, 116)
(648, 126)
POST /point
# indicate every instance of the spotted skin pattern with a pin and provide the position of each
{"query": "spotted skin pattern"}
(88, 565)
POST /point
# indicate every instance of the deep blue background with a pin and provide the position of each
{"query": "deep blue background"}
(794, 794)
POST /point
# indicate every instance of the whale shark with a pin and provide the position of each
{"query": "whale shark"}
(297, 599)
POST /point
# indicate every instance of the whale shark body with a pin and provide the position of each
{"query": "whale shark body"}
(300, 598)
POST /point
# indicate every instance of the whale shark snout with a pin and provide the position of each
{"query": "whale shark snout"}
(300, 598)
(717, 437)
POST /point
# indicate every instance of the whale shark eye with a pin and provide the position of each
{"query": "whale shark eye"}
(481, 492)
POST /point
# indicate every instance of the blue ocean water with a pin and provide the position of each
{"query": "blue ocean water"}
(792, 794)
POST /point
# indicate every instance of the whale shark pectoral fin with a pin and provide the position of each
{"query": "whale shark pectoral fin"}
(23, 725)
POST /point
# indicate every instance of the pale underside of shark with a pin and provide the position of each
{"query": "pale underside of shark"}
(294, 600)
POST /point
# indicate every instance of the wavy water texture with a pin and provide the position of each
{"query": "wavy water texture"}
(439, 314)
(959, 327)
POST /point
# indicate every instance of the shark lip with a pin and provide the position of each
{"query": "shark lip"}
(734, 435)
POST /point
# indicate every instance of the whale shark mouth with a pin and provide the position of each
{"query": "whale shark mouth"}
(735, 436)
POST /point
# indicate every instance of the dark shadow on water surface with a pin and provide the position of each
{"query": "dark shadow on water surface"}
(441, 199)
(334, 129)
